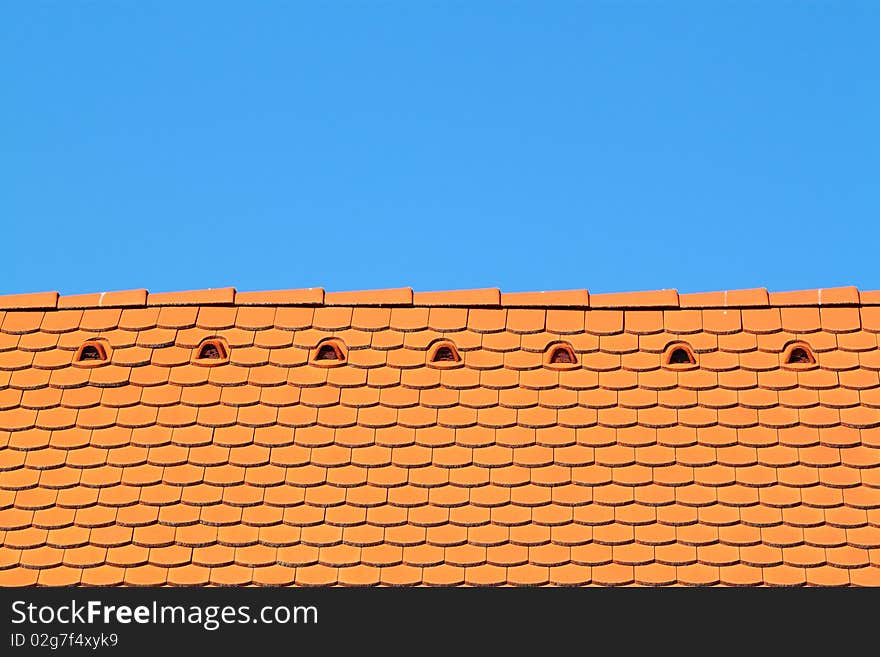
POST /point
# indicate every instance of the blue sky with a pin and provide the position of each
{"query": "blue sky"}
(525, 145)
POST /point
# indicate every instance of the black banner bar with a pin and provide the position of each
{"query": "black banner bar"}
(131, 620)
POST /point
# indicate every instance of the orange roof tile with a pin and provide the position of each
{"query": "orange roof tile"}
(101, 299)
(33, 300)
(561, 299)
(222, 295)
(393, 297)
(500, 468)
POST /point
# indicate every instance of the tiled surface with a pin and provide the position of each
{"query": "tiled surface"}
(269, 470)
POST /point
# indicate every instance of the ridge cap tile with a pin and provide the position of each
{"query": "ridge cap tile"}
(667, 298)
(548, 299)
(398, 296)
(489, 296)
(828, 296)
(116, 299)
(794, 298)
(846, 295)
(208, 297)
(306, 296)
(746, 298)
(29, 301)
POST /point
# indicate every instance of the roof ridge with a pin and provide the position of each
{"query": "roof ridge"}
(482, 297)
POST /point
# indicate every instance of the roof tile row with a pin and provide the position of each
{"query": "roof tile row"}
(758, 297)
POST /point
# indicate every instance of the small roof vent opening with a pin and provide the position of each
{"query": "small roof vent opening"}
(560, 356)
(91, 353)
(212, 352)
(799, 354)
(329, 353)
(444, 354)
(679, 356)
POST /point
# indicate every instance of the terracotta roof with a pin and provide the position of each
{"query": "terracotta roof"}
(210, 437)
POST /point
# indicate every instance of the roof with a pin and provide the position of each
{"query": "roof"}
(149, 465)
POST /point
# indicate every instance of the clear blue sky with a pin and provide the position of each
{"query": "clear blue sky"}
(353, 145)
